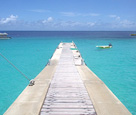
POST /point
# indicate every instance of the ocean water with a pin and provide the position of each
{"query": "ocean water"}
(30, 51)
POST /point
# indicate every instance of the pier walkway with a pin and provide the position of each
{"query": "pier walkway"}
(66, 86)
(67, 94)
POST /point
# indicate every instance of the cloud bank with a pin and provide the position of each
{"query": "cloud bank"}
(50, 23)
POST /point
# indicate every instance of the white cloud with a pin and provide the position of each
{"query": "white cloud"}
(91, 24)
(121, 23)
(112, 16)
(115, 17)
(127, 24)
(70, 23)
(50, 19)
(75, 24)
(11, 18)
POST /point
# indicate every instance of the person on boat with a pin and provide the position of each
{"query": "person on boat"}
(110, 44)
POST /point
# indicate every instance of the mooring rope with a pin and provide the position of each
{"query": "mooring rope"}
(15, 67)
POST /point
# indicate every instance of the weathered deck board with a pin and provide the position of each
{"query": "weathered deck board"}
(67, 94)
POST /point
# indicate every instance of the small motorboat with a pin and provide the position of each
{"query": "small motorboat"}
(133, 34)
(105, 46)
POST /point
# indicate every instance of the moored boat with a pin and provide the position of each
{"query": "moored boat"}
(133, 34)
(4, 36)
(105, 46)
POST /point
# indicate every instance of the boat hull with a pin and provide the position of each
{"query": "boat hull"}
(5, 38)
(104, 47)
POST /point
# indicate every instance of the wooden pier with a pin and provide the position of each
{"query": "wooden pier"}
(66, 86)
(67, 94)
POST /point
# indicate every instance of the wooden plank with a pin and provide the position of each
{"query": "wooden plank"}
(66, 110)
(67, 101)
(59, 106)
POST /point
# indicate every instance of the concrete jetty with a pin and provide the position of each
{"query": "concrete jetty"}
(66, 86)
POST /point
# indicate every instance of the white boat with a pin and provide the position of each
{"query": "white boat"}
(104, 47)
(4, 36)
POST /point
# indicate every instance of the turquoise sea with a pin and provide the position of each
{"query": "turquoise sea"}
(29, 51)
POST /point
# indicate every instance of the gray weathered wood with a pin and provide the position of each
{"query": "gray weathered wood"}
(67, 94)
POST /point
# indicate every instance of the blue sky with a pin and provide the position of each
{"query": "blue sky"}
(90, 15)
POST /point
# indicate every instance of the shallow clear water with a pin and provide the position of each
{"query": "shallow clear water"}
(30, 51)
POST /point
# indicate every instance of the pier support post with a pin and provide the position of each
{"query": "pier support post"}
(49, 62)
(82, 62)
